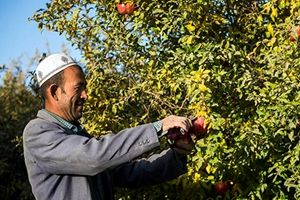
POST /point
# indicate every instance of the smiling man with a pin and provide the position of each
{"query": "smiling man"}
(65, 162)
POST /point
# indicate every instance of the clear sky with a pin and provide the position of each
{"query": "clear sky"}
(20, 36)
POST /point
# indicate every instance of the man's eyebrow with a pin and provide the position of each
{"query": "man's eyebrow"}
(81, 84)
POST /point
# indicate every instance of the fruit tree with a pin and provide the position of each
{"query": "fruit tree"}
(236, 63)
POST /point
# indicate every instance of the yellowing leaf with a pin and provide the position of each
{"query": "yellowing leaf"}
(196, 177)
(189, 40)
(201, 113)
(190, 27)
(281, 4)
(202, 87)
(151, 62)
(222, 143)
(197, 77)
(214, 170)
(208, 169)
(292, 159)
(272, 41)
(270, 29)
(277, 49)
(259, 20)
(274, 13)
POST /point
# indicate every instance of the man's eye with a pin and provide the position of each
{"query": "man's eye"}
(80, 88)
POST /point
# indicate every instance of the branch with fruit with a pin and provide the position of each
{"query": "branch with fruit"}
(294, 33)
(199, 128)
(126, 8)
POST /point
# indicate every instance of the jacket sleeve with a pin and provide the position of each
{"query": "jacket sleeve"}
(56, 151)
(154, 170)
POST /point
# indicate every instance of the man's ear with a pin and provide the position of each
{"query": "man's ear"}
(54, 92)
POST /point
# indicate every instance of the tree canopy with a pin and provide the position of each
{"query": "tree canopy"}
(234, 62)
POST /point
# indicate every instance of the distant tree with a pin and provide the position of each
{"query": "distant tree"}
(19, 103)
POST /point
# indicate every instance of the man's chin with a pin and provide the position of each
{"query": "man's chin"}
(79, 112)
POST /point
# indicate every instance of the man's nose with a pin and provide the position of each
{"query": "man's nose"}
(84, 95)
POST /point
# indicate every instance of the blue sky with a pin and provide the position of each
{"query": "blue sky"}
(22, 37)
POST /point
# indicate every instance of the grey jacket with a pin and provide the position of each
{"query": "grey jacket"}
(62, 165)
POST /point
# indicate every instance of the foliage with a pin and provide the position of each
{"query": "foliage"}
(231, 61)
(18, 105)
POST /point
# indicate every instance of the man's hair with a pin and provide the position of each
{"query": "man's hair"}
(57, 79)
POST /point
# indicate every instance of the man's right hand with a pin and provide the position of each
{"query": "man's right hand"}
(173, 121)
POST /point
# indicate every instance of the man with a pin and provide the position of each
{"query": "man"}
(65, 162)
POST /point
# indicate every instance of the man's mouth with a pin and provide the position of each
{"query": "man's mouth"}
(80, 103)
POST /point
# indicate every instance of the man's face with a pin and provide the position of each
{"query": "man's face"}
(73, 94)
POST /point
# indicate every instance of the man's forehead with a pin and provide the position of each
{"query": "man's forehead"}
(75, 73)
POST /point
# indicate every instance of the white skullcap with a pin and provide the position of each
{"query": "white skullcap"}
(51, 65)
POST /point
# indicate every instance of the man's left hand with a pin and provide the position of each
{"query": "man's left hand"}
(183, 149)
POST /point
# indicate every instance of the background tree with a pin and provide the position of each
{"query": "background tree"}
(233, 62)
(19, 103)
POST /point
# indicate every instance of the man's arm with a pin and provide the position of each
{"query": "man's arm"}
(154, 170)
(59, 152)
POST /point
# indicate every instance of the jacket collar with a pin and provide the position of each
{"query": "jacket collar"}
(52, 117)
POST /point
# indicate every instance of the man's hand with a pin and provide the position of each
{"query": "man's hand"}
(173, 121)
(183, 149)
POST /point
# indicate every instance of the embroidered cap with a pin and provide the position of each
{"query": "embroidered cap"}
(51, 65)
